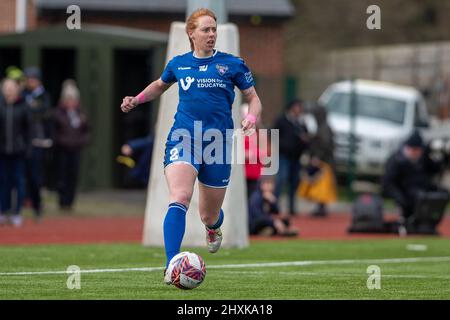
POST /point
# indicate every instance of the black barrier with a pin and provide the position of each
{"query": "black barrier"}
(428, 212)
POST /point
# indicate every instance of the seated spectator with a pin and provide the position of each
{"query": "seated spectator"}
(263, 212)
(140, 149)
(409, 171)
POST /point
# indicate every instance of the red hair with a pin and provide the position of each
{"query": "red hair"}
(192, 21)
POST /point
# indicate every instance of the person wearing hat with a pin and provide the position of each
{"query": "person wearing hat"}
(38, 101)
(13, 72)
(409, 171)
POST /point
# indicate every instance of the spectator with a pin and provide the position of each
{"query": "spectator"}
(14, 144)
(140, 148)
(253, 165)
(71, 134)
(39, 102)
(263, 212)
(322, 154)
(293, 142)
(255, 150)
(409, 171)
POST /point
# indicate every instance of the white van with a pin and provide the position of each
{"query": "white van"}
(386, 114)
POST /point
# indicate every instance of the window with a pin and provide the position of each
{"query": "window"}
(369, 106)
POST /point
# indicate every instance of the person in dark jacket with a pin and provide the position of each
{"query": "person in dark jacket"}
(39, 102)
(409, 171)
(14, 144)
(293, 142)
(71, 134)
(263, 212)
(321, 149)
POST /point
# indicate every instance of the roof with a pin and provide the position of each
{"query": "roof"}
(379, 87)
(90, 34)
(277, 8)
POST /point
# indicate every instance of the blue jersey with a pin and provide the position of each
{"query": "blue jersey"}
(206, 88)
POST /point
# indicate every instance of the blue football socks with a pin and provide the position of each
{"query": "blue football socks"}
(174, 227)
(219, 221)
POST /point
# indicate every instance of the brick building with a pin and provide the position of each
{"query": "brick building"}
(261, 26)
(120, 48)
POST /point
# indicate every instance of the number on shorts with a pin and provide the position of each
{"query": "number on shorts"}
(173, 154)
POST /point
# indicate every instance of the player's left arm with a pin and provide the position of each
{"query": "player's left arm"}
(254, 108)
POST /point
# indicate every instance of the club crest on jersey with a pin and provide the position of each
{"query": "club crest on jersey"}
(221, 68)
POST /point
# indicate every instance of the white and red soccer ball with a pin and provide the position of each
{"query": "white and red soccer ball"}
(187, 270)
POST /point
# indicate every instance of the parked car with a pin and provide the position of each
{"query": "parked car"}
(386, 114)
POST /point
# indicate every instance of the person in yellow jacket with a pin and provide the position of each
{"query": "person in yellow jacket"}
(319, 184)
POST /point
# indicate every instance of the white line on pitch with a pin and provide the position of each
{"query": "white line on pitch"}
(325, 262)
(248, 265)
(301, 273)
(32, 273)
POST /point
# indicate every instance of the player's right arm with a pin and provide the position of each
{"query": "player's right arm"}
(151, 92)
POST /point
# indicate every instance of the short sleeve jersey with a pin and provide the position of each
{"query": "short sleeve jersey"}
(206, 88)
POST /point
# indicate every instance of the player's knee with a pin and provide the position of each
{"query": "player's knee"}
(182, 197)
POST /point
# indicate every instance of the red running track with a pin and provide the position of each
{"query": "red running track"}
(129, 229)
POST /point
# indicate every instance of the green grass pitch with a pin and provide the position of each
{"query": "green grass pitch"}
(333, 270)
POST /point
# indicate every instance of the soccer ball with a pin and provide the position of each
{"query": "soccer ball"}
(187, 270)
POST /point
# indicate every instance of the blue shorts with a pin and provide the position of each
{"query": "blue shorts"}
(211, 159)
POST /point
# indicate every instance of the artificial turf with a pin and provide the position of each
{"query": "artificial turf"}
(324, 276)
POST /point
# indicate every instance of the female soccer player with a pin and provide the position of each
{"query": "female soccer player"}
(206, 80)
